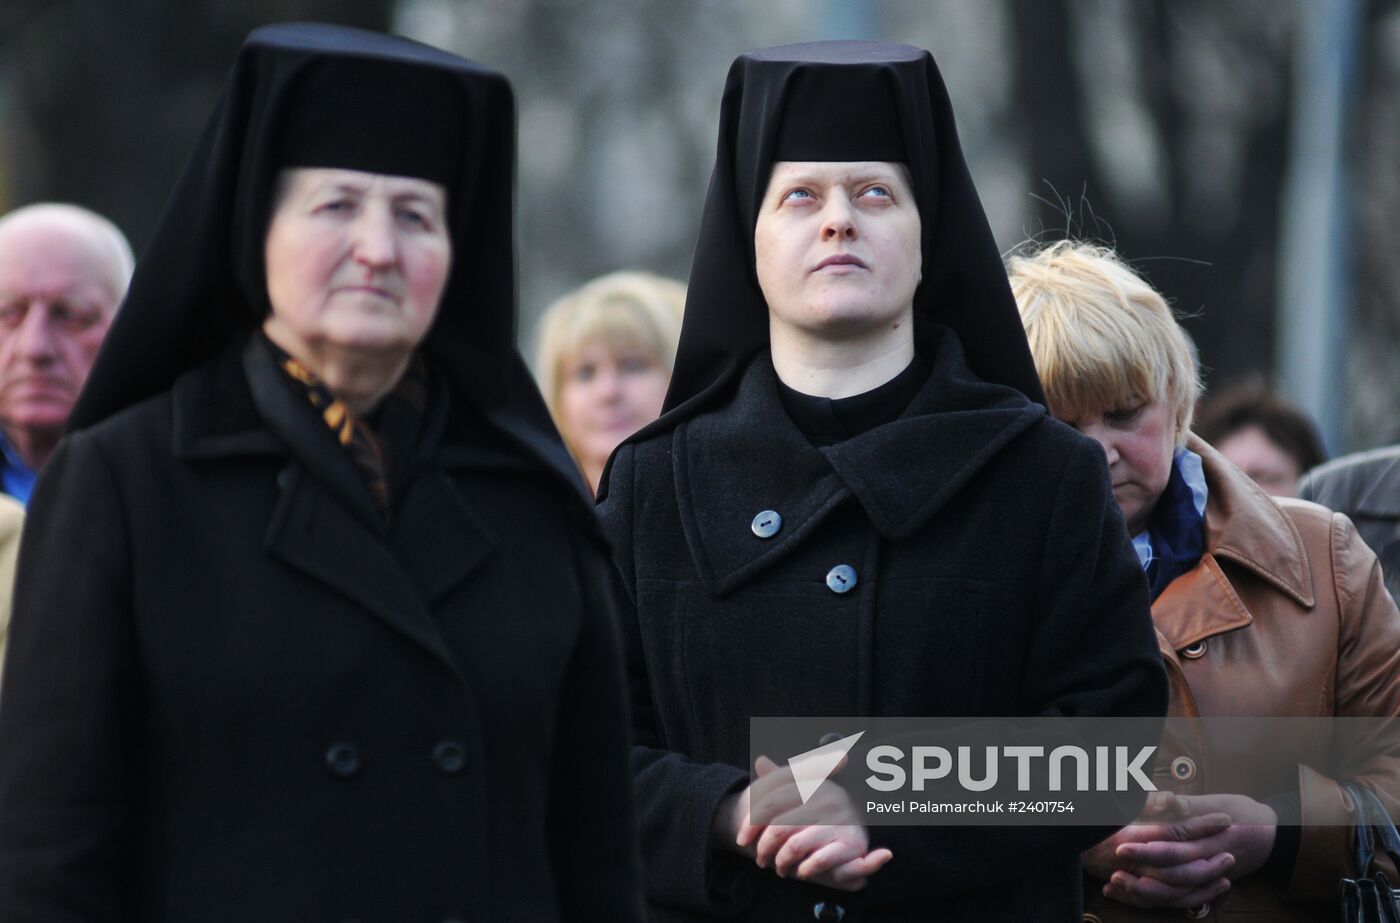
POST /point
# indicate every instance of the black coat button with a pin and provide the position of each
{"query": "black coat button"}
(828, 912)
(343, 759)
(449, 756)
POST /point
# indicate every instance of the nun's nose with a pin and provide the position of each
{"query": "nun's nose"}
(375, 243)
(838, 221)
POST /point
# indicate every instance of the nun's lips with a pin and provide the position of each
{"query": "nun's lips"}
(386, 294)
(839, 260)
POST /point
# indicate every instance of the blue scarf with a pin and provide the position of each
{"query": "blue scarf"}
(1175, 537)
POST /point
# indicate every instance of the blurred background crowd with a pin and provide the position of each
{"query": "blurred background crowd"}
(1243, 155)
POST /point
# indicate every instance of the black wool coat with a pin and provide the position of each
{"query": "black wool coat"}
(232, 695)
(994, 578)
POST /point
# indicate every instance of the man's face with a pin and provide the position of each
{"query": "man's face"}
(57, 296)
(837, 246)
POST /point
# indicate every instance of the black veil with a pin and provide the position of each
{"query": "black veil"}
(308, 94)
(840, 100)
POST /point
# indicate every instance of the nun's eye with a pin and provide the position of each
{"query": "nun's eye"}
(340, 206)
(878, 192)
(415, 218)
(797, 195)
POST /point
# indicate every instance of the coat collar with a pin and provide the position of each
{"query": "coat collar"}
(214, 416)
(1245, 527)
(749, 457)
(224, 414)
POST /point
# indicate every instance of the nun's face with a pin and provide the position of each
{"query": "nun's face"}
(837, 246)
(356, 264)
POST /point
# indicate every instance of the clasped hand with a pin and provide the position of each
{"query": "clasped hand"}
(835, 853)
(1184, 851)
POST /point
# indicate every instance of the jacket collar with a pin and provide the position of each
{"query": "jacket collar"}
(749, 457)
(1245, 527)
(433, 543)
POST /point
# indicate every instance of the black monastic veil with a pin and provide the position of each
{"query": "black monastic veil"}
(318, 95)
(840, 101)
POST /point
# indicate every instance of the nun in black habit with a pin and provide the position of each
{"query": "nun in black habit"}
(856, 504)
(314, 621)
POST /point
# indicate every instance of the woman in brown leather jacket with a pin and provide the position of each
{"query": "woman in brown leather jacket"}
(1263, 608)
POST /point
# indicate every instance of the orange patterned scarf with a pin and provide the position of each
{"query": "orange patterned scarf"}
(368, 451)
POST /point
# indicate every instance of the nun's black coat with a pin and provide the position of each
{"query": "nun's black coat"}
(230, 698)
(232, 692)
(993, 578)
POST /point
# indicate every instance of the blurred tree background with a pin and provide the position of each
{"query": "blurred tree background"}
(1175, 129)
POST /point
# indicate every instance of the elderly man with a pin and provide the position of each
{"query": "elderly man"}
(63, 271)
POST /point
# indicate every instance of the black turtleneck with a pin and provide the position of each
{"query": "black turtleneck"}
(825, 421)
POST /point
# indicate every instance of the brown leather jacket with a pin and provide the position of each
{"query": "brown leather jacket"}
(1286, 615)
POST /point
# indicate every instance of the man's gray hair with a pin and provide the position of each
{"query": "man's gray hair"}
(108, 239)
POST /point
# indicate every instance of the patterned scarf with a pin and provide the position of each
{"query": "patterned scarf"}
(369, 451)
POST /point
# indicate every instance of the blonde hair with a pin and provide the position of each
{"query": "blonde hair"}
(1101, 337)
(623, 310)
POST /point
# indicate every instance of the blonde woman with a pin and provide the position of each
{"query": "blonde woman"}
(604, 356)
(1263, 608)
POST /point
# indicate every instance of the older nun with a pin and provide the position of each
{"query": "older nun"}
(311, 622)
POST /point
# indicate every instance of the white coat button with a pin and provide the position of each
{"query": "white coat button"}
(766, 524)
(841, 578)
(1195, 651)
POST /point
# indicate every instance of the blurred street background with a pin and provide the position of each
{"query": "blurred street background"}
(1244, 154)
